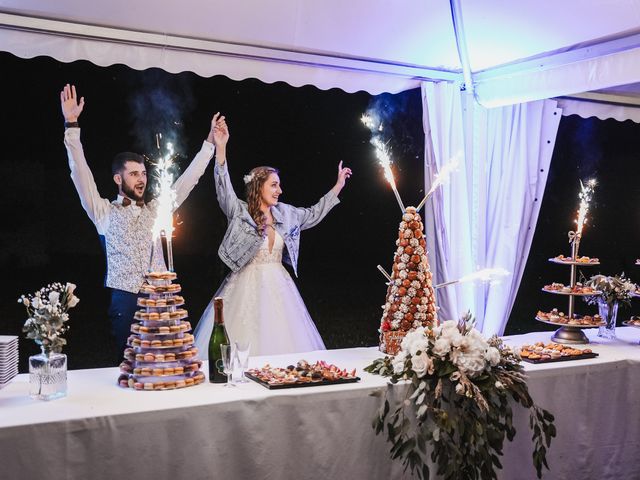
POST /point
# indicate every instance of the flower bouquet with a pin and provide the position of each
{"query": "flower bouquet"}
(458, 401)
(47, 311)
(613, 291)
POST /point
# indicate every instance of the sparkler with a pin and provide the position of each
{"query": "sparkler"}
(441, 177)
(585, 195)
(383, 156)
(166, 197)
(491, 275)
(384, 272)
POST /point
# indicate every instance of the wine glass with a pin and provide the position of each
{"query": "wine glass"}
(242, 359)
(228, 359)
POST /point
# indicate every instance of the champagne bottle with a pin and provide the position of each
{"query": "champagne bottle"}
(218, 337)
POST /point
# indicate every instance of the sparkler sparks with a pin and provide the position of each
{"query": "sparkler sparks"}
(492, 275)
(166, 197)
(383, 156)
(451, 166)
(585, 196)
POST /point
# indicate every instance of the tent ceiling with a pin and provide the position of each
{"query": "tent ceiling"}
(516, 51)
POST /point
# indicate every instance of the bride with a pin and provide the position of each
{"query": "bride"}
(261, 302)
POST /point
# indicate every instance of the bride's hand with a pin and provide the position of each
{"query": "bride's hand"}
(343, 174)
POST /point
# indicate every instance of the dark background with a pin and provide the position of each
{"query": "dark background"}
(46, 236)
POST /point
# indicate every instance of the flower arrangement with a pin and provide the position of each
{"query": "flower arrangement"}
(47, 310)
(457, 401)
(613, 289)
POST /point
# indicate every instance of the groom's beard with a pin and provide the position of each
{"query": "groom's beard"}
(131, 193)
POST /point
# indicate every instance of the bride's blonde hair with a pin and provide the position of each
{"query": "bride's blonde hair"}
(253, 186)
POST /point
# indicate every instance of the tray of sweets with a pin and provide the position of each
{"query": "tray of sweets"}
(157, 356)
(553, 352)
(303, 374)
(561, 320)
(561, 259)
(173, 301)
(632, 322)
(178, 314)
(137, 343)
(144, 330)
(160, 278)
(578, 290)
(160, 289)
(155, 384)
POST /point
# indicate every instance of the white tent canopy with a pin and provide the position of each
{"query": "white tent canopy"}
(512, 51)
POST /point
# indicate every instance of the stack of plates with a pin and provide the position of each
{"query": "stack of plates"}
(8, 358)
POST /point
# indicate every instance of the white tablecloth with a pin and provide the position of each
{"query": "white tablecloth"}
(100, 431)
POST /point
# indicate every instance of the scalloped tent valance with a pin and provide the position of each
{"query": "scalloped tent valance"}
(507, 52)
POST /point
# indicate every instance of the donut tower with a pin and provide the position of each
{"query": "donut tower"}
(161, 354)
(410, 301)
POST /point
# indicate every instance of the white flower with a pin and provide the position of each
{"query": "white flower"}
(73, 301)
(247, 178)
(493, 356)
(441, 347)
(499, 384)
(71, 287)
(422, 364)
(460, 389)
(36, 302)
(398, 363)
(468, 357)
(54, 297)
(415, 341)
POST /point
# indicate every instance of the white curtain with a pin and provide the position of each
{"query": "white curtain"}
(485, 216)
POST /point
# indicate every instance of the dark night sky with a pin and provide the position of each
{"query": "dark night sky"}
(305, 132)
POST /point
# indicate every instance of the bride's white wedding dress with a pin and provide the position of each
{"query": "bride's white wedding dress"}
(263, 306)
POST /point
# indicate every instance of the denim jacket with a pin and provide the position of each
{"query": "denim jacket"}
(242, 241)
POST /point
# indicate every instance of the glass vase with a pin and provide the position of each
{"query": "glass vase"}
(48, 375)
(609, 314)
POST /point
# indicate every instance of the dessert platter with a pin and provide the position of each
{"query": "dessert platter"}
(632, 322)
(578, 289)
(410, 300)
(561, 259)
(160, 353)
(553, 352)
(554, 317)
(303, 374)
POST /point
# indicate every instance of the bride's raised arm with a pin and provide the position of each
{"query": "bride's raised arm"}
(227, 197)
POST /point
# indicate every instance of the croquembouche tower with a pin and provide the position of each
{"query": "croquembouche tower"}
(410, 300)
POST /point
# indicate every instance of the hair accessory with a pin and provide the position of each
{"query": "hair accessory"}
(248, 178)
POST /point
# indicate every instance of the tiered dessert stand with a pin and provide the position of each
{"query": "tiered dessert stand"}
(571, 331)
(161, 354)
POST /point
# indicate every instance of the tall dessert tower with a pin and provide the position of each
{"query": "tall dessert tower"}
(410, 300)
(161, 354)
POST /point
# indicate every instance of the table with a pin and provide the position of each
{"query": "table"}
(100, 431)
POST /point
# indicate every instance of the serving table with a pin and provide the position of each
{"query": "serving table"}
(101, 431)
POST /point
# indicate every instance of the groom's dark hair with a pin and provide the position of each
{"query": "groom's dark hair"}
(123, 157)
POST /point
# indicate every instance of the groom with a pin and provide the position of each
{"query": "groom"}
(125, 223)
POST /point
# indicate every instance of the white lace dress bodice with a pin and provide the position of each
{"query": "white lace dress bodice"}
(265, 256)
(262, 305)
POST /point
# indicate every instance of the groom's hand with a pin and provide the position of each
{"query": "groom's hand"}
(71, 108)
